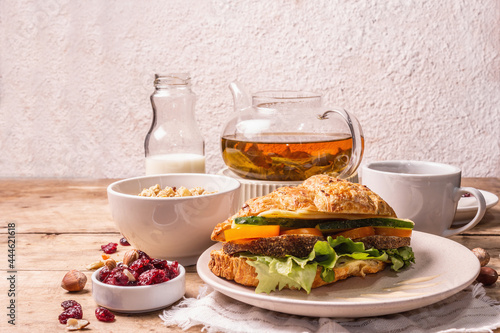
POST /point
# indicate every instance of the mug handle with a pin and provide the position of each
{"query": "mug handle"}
(357, 141)
(481, 204)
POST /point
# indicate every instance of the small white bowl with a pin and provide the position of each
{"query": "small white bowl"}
(177, 228)
(137, 299)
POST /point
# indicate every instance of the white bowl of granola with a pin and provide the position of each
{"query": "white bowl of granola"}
(171, 216)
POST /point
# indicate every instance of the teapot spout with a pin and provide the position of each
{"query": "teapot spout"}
(241, 97)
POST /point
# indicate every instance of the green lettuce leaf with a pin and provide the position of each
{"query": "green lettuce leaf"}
(299, 273)
(279, 272)
(401, 257)
(356, 250)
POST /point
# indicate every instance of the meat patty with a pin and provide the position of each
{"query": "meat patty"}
(278, 246)
(301, 245)
(384, 242)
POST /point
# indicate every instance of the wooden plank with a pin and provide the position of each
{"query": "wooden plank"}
(60, 252)
(38, 298)
(61, 224)
(56, 205)
(487, 184)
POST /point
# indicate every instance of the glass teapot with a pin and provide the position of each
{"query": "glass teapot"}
(289, 136)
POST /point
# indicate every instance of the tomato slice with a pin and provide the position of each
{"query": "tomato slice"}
(357, 232)
(302, 231)
(252, 231)
(387, 231)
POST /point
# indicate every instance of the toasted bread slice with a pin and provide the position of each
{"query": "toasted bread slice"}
(235, 268)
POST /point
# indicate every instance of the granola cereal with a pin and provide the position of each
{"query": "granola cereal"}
(170, 192)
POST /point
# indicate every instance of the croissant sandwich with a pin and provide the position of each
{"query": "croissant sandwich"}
(303, 237)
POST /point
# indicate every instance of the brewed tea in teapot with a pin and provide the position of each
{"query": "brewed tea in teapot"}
(290, 136)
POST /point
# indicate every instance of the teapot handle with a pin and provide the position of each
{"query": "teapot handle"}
(357, 141)
(241, 97)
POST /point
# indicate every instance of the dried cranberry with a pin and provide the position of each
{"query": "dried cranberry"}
(103, 314)
(124, 242)
(69, 304)
(152, 276)
(140, 265)
(103, 274)
(159, 263)
(172, 270)
(72, 312)
(109, 248)
(134, 274)
(144, 270)
(117, 277)
(143, 255)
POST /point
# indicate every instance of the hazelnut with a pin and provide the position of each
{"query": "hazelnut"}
(482, 255)
(74, 280)
(130, 256)
(110, 263)
(487, 276)
(76, 324)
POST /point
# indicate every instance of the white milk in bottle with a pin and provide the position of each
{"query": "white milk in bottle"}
(174, 143)
(175, 163)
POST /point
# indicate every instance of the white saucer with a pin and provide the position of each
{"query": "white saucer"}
(467, 207)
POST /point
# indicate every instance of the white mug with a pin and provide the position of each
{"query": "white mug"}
(425, 192)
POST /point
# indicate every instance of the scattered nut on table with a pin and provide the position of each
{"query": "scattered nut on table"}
(95, 265)
(74, 280)
(487, 276)
(482, 255)
(76, 324)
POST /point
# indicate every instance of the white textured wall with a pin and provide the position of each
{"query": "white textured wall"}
(423, 77)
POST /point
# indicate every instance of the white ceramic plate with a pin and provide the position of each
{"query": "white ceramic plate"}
(467, 207)
(443, 268)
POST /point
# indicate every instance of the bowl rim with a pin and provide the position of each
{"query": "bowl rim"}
(235, 186)
(182, 272)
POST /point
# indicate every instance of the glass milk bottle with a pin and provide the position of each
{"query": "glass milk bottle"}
(173, 143)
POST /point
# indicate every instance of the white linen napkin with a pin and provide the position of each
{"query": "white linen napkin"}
(470, 310)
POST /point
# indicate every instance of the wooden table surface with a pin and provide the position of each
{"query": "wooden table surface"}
(61, 224)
